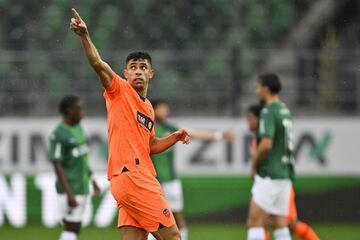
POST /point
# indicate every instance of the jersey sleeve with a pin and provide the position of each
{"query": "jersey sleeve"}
(115, 88)
(56, 148)
(266, 124)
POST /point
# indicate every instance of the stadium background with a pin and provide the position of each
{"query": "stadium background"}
(206, 55)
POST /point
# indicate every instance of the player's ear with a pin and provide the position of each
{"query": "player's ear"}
(152, 72)
(125, 73)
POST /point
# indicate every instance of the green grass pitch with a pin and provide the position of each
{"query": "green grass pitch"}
(196, 232)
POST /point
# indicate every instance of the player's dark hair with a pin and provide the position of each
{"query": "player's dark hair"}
(158, 101)
(138, 55)
(271, 81)
(67, 103)
(255, 109)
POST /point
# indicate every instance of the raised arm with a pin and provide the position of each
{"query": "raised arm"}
(102, 69)
(158, 145)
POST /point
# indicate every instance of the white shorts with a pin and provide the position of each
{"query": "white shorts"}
(72, 214)
(173, 194)
(272, 195)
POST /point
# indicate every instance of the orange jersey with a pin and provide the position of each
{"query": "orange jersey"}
(130, 127)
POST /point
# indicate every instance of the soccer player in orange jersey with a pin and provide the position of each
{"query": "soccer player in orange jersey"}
(297, 227)
(142, 207)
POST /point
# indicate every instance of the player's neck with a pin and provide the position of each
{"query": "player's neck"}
(271, 99)
(142, 93)
(69, 122)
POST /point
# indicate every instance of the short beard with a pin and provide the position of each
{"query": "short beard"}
(139, 88)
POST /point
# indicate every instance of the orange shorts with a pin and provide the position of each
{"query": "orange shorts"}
(140, 201)
(292, 207)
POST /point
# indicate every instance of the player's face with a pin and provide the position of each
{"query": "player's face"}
(138, 73)
(76, 113)
(252, 121)
(261, 92)
(162, 112)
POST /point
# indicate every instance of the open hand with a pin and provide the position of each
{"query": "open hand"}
(183, 136)
(77, 24)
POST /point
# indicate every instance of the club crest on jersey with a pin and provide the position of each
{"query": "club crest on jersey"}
(145, 121)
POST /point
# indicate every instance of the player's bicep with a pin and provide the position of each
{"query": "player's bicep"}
(57, 165)
(104, 72)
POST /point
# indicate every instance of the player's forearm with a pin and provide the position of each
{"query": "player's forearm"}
(261, 154)
(91, 52)
(62, 179)
(159, 145)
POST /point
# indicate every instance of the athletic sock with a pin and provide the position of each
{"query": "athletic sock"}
(256, 233)
(305, 232)
(282, 234)
(184, 233)
(66, 235)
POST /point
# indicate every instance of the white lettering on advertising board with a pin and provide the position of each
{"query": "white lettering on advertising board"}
(323, 146)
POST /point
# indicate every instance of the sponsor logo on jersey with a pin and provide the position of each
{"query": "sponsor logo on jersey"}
(145, 121)
(80, 150)
(166, 212)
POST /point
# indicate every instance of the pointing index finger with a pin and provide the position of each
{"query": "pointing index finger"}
(75, 14)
